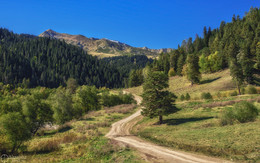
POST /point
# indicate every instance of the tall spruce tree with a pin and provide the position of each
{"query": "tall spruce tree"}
(234, 66)
(156, 100)
(258, 56)
(180, 64)
(193, 73)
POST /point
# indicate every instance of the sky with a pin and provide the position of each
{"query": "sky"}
(152, 23)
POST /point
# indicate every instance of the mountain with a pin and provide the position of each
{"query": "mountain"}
(102, 46)
(39, 61)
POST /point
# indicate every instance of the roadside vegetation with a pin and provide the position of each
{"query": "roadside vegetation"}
(212, 119)
(83, 140)
(67, 123)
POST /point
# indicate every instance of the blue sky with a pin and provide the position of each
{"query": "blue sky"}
(152, 23)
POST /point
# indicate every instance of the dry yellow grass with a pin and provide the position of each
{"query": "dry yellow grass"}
(102, 55)
(219, 81)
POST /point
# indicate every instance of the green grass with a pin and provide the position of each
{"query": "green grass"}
(199, 130)
(82, 141)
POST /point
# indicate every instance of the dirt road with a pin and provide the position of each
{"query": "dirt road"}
(120, 131)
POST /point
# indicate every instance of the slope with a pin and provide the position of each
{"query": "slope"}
(102, 47)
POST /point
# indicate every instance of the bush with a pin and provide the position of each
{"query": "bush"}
(241, 112)
(251, 90)
(218, 95)
(171, 72)
(44, 146)
(234, 93)
(243, 91)
(14, 129)
(245, 112)
(206, 96)
(182, 98)
(227, 117)
(113, 100)
(187, 97)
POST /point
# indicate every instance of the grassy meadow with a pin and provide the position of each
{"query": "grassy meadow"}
(197, 126)
(82, 140)
(220, 81)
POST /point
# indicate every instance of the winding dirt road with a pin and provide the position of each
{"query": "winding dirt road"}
(120, 132)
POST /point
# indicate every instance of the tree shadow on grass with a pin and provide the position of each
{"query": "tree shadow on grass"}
(209, 80)
(64, 129)
(60, 130)
(184, 120)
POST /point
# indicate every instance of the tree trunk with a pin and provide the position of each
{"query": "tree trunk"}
(14, 148)
(160, 119)
(238, 87)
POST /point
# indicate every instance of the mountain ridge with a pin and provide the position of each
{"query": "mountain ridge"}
(104, 45)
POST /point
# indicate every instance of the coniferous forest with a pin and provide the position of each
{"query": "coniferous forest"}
(234, 45)
(34, 61)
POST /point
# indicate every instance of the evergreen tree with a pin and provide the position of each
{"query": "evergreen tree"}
(235, 68)
(171, 72)
(156, 100)
(258, 56)
(236, 73)
(187, 97)
(246, 65)
(135, 78)
(180, 64)
(182, 98)
(193, 73)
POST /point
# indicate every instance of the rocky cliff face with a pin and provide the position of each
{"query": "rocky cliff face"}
(102, 45)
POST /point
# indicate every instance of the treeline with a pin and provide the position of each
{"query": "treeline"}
(126, 65)
(32, 61)
(235, 45)
(24, 111)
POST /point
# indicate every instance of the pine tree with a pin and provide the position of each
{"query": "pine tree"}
(258, 56)
(193, 73)
(156, 100)
(180, 64)
(187, 97)
(235, 68)
(246, 65)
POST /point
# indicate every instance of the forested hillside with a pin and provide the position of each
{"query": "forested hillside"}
(127, 64)
(33, 61)
(235, 45)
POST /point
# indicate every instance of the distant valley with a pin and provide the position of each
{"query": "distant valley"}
(103, 47)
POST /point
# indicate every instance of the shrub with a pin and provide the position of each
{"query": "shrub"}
(241, 112)
(44, 146)
(182, 98)
(218, 95)
(16, 131)
(171, 72)
(206, 96)
(251, 90)
(245, 112)
(112, 100)
(234, 93)
(227, 117)
(187, 97)
(243, 91)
